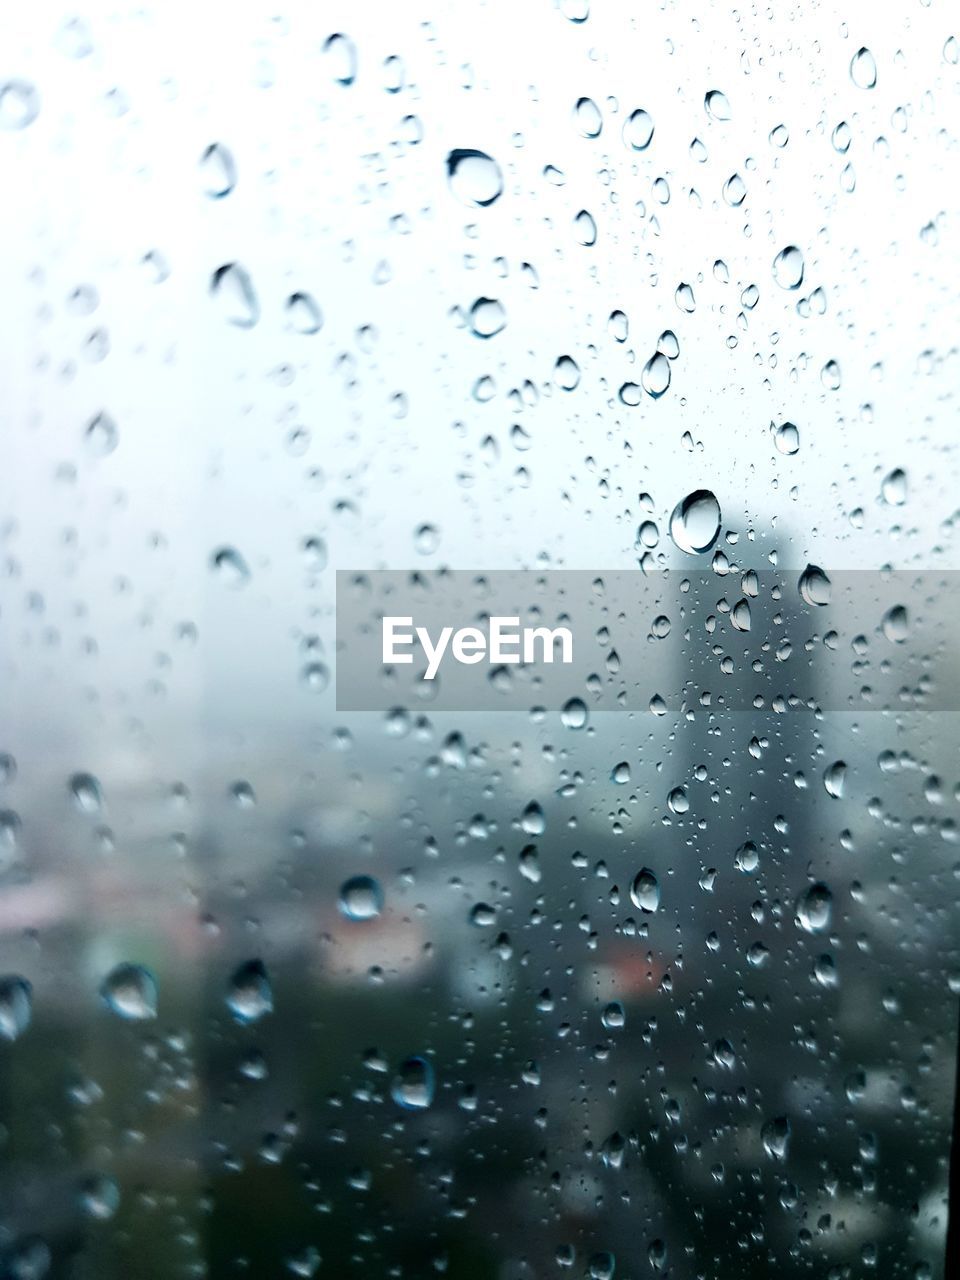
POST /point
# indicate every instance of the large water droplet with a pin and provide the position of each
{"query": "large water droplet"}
(788, 267)
(130, 991)
(815, 586)
(734, 191)
(695, 522)
(361, 898)
(219, 171)
(896, 624)
(474, 177)
(655, 377)
(250, 996)
(414, 1084)
(645, 891)
(638, 130)
(717, 105)
(16, 1006)
(230, 567)
(863, 69)
(588, 118)
(834, 779)
(232, 288)
(19, 104)
(574, 714)
(303, 313)
(101, 436)
(566, 373)
(487, 318)
(893, 489)
(86, 792)
(787, 438)
(775, 1136)
(340, 54)
(815, 909)
(100, 1197)
(585, 228)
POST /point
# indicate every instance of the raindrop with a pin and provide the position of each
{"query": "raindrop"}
(566, 373)
(740, 615)
(814, 586)
(230, 567)
(100, 1197)
(19, 104)
(655, 377)
(695, 522)
(630, 394)
(841, 138)
(716, 105)
(638, 130)
(734, 191)
(233, 290)
(620, 774)
(86, 792)
(618, 326)
(678, 801)
(414, 1084)
(775, 1136)
(361, 898)
(16, 1006)
(533, 822)
(130, 991)
(588, 118)
(483, 916)
(250, 996)
(613, 1017)
(645, 891)
(474, 177)
(834, 779)
(724, 1055)
(786, 438)
(788, 268)
(341, 57)
(303, 313)
(815, 909)
(487, 318)
(896, 624)
(893, 490)
(585, 228)
(779, 137)
(830, 375)
(101, 436)
(684, 298)
(747, 857)
(863, 69)
(575, 10)
(219, 171)
(574, 714)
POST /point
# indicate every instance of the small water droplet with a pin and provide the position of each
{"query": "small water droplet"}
(638, 130)
(474, 177)
(788, 267)
(19, 104)
(585, 228)
(645, 891)
(863, 69)
(414, 1084)
(695, 522)
(303, 313)
(101, 436)
(814, 586)
(86, 792)
(340, 54)
(716, 105)
(16, 1006)
(130, 991)
(361, 898)
(219, 171)
(230, 567)
(232, 288)
(250, 996)
(100, 1197)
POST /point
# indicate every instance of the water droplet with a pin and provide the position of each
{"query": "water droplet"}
(575, 10)
(130, 991)
(775, 1136)
(585, 228)
(724, 1055)
(230, 567)
(483, 916)
(100, 1197)
(487, 318)
(779, 136)
(896, 624)
(740, 615)
(863, 69)
(620, 774)
(533, 822)
(668, 345)
(613, 1017)
(695, 522)
(250, 996)
(734, 191)
(315, 677)
(574, 714)
(474, 178)
(814, 586)
(788, 267)
(566, 373)
(19, 104)
(841, 138)
(426, 539)
(219, 171)
(655, 377)
(834, 779)
(340, 54)
(830, 375)
(786, 438)
(630, 394)
(951, 50)
(645, 891)
(815, 909)
(716, 105)
(16, 1006)
(748, 857)
(684, 298)
(893, 490)
(361, 898)
(101, 436)
(232, 288)
(678, 801)
(86, 792)
(638, 130)
(588, 118)
(618, 326)
(414, 1084)
(303, 313)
